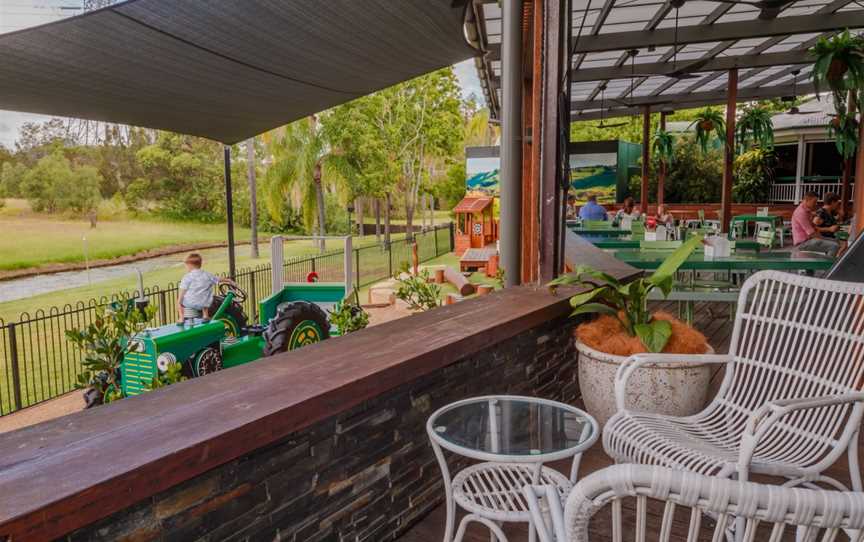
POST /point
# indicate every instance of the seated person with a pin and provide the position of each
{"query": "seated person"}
(196, 289)
(571, 207)
(826, 218)
(805, 236)
(592, 210)
(628, 209)
(664, 217)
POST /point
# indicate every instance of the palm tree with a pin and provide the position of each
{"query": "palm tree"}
(303, 160)
(479, 131)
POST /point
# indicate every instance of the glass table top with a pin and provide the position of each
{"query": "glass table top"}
(512, 426)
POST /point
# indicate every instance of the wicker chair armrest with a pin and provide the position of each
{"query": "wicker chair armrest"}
(771, 412)
(637, 360)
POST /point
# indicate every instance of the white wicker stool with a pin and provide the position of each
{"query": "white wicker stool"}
(494, 492)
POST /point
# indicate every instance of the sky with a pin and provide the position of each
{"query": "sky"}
(19, 14)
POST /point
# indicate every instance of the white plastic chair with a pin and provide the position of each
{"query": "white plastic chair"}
(790, 403)
(765, 512)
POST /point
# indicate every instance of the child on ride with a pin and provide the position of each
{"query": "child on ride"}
(196, 289)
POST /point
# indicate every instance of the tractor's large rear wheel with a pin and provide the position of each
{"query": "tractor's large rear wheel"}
(296, 324)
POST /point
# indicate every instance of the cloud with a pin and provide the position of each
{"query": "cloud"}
(466, 73)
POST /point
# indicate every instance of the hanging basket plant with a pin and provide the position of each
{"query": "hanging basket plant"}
(708, 122)
(844, 130)
(662, 146)
(755, 128)
(839, 66)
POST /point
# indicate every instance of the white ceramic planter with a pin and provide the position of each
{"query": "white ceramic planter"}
(664, 388)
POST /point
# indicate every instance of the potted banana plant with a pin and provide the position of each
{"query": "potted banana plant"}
(709, 121)
(844, 131)
(755, 127)
(624, 326)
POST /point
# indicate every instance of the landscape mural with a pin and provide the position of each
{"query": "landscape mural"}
(595, 174)
(481, 175)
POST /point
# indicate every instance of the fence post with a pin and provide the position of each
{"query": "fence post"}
(357, 267)
(163, 310)
(452, 237)
(16, 374)
(254, 294)
(349, 273)
(277, 260)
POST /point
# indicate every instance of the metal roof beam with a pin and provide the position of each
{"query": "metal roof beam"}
(715, 64)
(679, 101)
(781, 26)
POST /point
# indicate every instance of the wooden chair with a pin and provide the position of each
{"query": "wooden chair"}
(758, 511)
(790, 403)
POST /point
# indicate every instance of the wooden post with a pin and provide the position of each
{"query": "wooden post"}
(847, 168)
(646, 156)
(858, 193)
(729, 154)
(661, 177)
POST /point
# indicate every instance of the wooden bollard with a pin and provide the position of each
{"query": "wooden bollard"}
(439, 276)
(492, 266)
(484, 289)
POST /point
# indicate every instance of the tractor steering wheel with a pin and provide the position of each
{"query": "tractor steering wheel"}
(226, 287)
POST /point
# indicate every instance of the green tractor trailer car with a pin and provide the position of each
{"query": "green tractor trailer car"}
(293, 317)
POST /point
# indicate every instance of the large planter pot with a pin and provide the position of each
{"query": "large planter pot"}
(663, 388)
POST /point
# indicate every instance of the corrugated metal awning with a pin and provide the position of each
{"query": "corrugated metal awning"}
(225, 69)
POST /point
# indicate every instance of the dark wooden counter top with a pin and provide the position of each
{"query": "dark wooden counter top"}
(63, 474)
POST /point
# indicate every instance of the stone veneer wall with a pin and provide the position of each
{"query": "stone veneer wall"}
(365, 474)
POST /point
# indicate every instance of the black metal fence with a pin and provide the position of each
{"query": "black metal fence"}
(38, 363)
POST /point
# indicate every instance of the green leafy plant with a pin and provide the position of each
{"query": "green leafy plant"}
(754, 175)
(172, 375)
(755, 127)
(839, 65)
(348, 316)
(500, 276)
(662, 146)
(628, 302)
(418, 291)
(844, 130)
(103, 343)
(709, 121)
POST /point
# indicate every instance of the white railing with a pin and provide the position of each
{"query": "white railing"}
(787, 193)
(783, 193)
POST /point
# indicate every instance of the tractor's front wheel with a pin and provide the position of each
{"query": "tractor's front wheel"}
(296, 324)
(207, 361)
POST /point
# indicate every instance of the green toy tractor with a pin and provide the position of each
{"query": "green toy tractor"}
(290, 318)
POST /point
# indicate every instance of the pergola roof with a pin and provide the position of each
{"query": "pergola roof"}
(712, 37)
(225, 69)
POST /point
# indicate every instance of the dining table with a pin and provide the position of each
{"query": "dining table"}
(737, 261)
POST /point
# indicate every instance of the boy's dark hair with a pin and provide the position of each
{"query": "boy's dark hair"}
(194, 259)
(830, 198)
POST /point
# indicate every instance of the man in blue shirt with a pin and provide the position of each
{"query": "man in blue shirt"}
(592, 210)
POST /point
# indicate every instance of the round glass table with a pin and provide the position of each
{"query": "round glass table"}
(512, 436)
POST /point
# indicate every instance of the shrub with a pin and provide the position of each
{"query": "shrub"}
(754, 175)
(418, 291)
(53, 185)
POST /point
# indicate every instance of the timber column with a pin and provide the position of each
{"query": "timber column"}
(729, 151)
(646, 156)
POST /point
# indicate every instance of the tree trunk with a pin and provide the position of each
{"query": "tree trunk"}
(358, 206)
(409, 217)
(319, 198)
(378, 220)
(387, 221)
(253, 196)
(432, 211)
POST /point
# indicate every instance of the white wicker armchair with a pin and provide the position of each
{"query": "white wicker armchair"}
(790, 403)
(766, 512)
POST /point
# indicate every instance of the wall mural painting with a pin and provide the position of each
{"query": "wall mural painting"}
(482, 175)
(595, 173)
